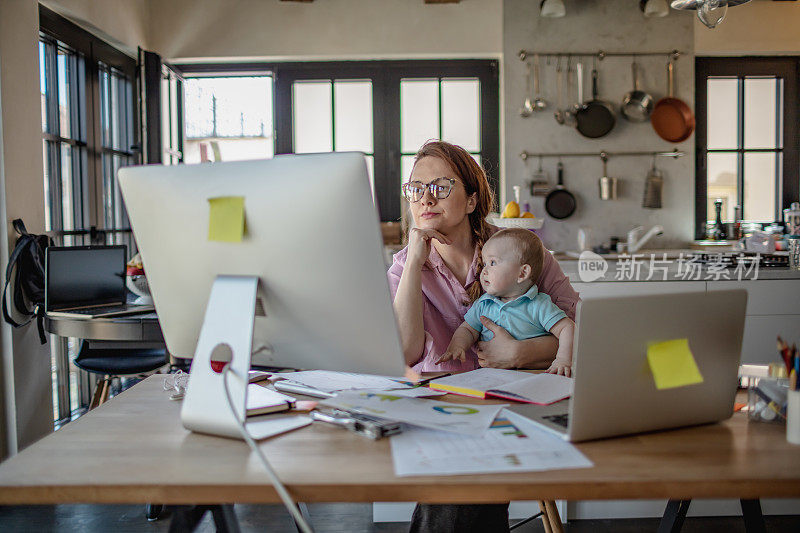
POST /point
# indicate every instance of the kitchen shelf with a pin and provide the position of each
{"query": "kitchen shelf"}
(603, 154)
(599, 54)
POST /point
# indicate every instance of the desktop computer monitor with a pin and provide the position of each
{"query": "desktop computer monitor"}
(312, 237)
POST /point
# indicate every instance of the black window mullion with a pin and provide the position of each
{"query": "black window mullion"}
(740, 146)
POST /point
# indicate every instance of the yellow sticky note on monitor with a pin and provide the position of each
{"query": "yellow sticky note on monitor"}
(226, 219)
(673, 364)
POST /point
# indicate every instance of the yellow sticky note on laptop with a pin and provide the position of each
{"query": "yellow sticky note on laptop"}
(226, 218)
(673, 364)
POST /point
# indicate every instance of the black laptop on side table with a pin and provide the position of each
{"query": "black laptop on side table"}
(88, 282)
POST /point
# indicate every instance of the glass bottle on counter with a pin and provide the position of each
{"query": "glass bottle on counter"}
(717, 232)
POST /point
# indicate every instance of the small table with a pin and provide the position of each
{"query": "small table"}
(139, 329)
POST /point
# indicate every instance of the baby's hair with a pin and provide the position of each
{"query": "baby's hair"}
(528, 248)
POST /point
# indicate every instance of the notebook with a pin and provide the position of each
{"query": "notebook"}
(541, 389)
(87, 282)
(262, 401)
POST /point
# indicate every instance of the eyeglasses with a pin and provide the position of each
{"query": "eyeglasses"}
(440, 188)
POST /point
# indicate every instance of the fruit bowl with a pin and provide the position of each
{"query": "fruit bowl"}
(527, 223)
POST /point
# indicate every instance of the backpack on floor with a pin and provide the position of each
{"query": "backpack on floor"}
(23, 294)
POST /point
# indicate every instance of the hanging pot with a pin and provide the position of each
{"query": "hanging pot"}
(637, 105)
(595, 118)
(672, 119)
(560, 203)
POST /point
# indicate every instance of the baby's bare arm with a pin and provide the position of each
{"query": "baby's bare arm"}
(463, 338)
(564, 329)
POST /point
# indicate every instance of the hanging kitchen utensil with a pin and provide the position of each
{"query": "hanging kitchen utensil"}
(607, 184)
(595, 118)
(538, 102)
(672, 119)
(572, 108)
(560, 203)
(540, 182)
(637, 105)
(653, 185)
(527, 107)
(559, 113)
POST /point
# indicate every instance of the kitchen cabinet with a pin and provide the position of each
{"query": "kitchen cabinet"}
(773, 307)
(636, 288)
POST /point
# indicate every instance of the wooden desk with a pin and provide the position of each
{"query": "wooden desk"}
(134, 449)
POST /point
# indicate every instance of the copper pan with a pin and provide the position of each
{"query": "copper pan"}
(672, 119)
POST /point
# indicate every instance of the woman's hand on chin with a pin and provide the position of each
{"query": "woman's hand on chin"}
(419, 245)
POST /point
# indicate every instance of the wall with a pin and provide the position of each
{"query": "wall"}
(341, 29)
(590, 25)
(761, 27)
(28, 396)
(122, 23)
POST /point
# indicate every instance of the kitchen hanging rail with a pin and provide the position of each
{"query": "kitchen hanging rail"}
(674, 154)
(599, 54)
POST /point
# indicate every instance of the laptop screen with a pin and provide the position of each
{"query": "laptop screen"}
(82, 276)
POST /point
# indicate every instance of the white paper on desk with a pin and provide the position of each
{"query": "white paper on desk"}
(415, 392)
(470, 419)
(261, 427)
(512, 444)
(329, 381)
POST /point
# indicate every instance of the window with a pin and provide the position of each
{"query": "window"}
(385, 109)
(228, 118)
(747, 146)
(89, 131)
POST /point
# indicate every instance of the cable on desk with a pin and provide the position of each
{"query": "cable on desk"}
(291, 506)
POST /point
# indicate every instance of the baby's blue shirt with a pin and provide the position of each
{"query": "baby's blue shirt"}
(530, 315)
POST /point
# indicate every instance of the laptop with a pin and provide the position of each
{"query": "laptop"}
(614, 391)
(87, 282)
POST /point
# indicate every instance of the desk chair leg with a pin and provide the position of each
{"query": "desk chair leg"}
(753, 519)
(545, 517)
(100, 393)
(303, 508)
(553, 516)
(674, 515)
(185, 518)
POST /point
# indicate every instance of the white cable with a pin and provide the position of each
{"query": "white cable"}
(282, 492)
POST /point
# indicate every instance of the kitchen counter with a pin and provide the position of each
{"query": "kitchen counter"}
(622, 271)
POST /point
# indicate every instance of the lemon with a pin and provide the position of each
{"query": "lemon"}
(511, 210)
(527, 214)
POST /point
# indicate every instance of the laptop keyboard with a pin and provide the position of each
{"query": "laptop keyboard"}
(561, 420)
(100, 309)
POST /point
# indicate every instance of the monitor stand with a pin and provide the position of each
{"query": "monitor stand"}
(227, 335)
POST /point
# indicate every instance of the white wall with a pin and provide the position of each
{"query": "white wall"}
(325, 29)
(611, 25)
(760, 27)
(28, 396)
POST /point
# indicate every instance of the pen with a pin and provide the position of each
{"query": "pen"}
(297, 388)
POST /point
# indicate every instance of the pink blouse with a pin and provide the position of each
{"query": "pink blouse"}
(445, 301)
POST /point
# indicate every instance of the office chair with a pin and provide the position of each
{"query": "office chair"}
(113, 362)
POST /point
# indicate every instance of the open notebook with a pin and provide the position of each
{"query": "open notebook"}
(542, 389)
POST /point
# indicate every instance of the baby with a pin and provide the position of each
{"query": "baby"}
(513, 261)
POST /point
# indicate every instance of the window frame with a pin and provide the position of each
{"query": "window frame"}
(785, 67)
(94, 51)
(385, 76)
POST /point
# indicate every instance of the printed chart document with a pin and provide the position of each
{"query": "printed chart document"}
(542, 389)
(512, 444)
(459, 418)
(329, 381)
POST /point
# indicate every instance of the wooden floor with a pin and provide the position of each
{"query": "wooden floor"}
(325, 518)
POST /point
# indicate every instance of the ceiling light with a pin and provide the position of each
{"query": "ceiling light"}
(654, 8)
(710, 12)
(552, 9)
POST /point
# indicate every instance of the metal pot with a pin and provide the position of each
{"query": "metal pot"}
(607, 185)
(637, 105)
